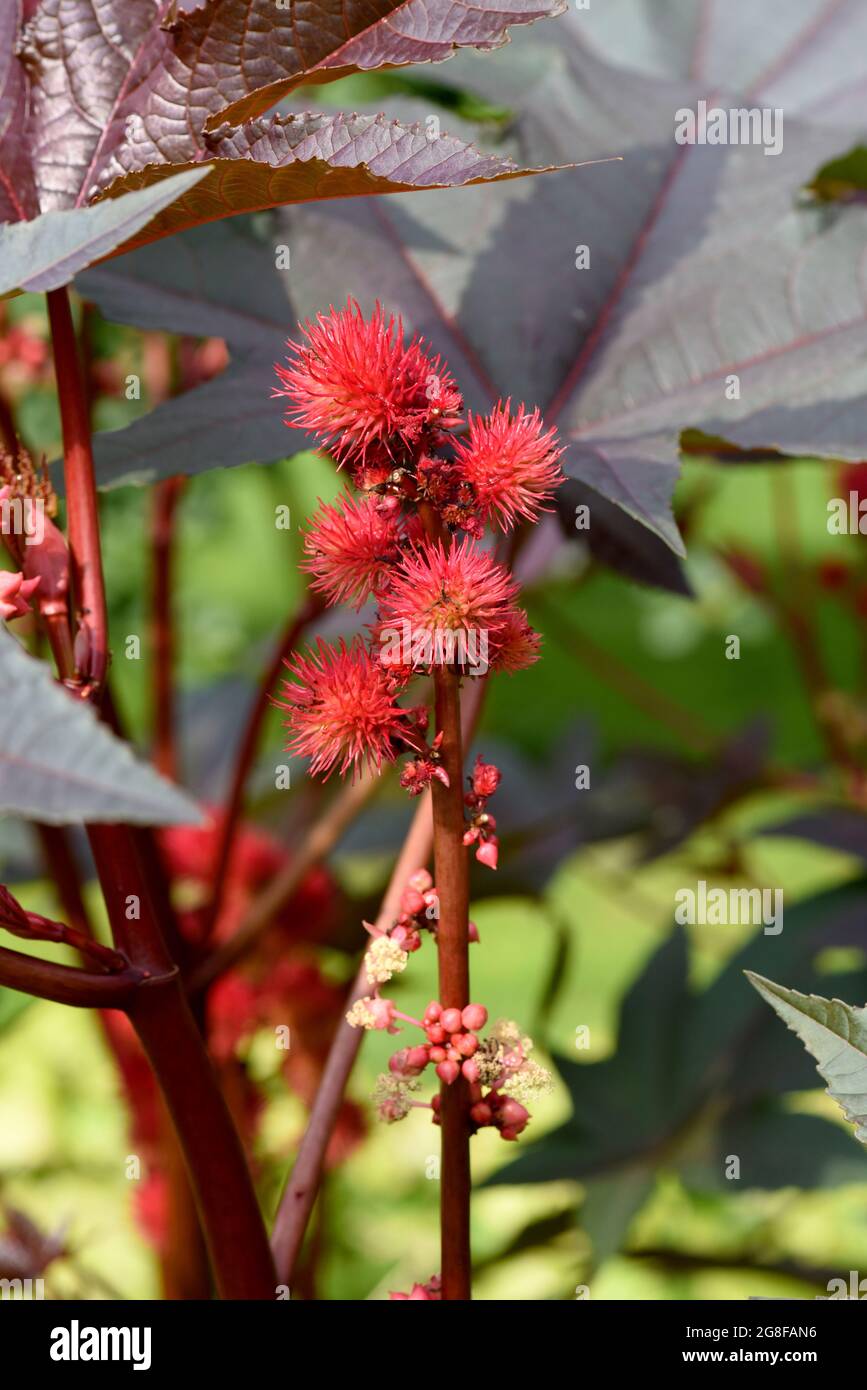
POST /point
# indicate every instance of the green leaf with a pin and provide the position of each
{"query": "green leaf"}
(48, 251)
(836, 1035)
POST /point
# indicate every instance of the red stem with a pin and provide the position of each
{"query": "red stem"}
(167, 495)
(224, 1192)
(66, 984)
(184, 1260)
(81, 500)
(159, 1011)
(451, 875)
(299, 1194)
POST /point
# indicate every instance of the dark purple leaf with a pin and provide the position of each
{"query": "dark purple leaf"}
(835, 827)
(120, 95)
(17, 194)
(620, 543)
(808, 56)
(304, 157)
(49, 249)
(705, 263)
(702, 268)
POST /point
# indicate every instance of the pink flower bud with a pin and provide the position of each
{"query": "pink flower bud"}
(383, 1012)
(466, 1043)
(448, 1072)
(470, 1069)
(487, 854)
(512, 1114)
(510, 1132)
(421, 881)
(482, 1114)
(412, 902)
(437, 1054)
(436, 1033)
(474, 1017)
(451, 1020)
(432, 1012)
(409, 1061)
(473, 932)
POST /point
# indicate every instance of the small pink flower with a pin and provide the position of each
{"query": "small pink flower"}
(383, 1012)
(341, 709)
(512, 464)
(15, 592)
(487, 853)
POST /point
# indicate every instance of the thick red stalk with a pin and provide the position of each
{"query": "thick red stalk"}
(451, 875)
(81, 500)
(218, 1171)
(66, 984)
(159, 1011)
(167, 495)
(184, 1258)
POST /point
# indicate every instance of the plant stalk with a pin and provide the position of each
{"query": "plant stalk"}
(81, 500)
(159, 1011)
(160, 1014)
(451, 874)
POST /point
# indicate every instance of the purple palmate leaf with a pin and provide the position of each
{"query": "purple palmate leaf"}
(103, 95)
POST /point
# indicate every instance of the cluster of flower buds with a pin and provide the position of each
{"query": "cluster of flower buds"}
(432, 1290)
(419, 908)
(388, 954)
(482, 828)
(505, 1113)
(389, 412)
(453, 1047)
(451, 1042)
